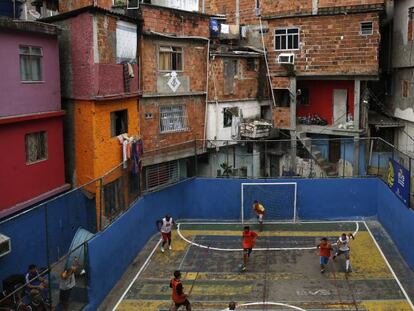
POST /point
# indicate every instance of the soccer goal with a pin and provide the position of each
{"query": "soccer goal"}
(278, 199)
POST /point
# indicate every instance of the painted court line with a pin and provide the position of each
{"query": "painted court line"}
(269, 303)
(389, 267)
(217, 222)
(256, 249)
(144, 265)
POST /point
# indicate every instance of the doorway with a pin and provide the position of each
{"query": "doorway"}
(340, 101)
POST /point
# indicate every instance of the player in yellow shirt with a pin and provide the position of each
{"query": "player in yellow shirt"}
(260, 212)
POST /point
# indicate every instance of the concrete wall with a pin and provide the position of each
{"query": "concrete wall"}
(321, 97)
(20, 181)
(398, 220)
(34, 232)
(28, 97)
(215, 117)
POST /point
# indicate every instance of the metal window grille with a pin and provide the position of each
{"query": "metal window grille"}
(30, 63)
(366, 28)
(287, 39)
(161, 174)
(173, 119)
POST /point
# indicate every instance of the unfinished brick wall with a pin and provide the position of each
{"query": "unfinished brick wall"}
(194, 63)
(329, 45)
(170, 21)
(338, 3)
(106, 34)
(150, 126)
(245, 83)
(223, 7)
(69, 5)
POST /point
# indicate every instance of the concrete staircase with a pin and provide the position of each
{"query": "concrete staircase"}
(316, 154)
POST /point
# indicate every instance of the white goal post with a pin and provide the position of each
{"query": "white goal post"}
(278, 199)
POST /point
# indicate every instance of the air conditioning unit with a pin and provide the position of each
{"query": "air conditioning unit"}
(132, 4)
(286, 58)
(5, 245)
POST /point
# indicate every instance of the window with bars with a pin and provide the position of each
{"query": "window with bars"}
(170, 58)
(286, 39)
(173, 119)
(161, 174)
(366, 29)
(36, 147)
(30, 63)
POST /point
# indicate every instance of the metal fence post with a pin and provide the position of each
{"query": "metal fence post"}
(195, 158)
(101, 205)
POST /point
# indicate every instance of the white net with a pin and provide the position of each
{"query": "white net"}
(278, 199)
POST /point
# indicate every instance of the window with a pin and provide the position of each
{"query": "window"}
(170, 58)
(287, 39)
(30, 63)
(366, 28)
(405, 88)
(173, 119)
(161, 174)
(126, 42)
(252, 64)
(36, 147)
(119, 122)
(231, 70)
(410, 30)
(227, 117)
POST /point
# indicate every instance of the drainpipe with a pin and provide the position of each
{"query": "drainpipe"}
(238, 12)
(206, 108)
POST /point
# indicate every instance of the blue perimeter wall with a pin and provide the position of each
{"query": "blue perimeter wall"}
(27, 232)
(398, 221)
(112, 251)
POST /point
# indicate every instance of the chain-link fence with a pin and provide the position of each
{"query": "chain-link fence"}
(63, 225)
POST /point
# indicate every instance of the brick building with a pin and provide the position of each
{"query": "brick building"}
(174, 49)
(31, 118)
(100, 95)
(320, 57)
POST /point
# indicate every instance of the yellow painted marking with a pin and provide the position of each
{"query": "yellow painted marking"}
(142, 305)
(366, 260)
(190, 276)
(386, 305)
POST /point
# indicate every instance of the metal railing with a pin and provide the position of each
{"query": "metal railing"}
(97, 204)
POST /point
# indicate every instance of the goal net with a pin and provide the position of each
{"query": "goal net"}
(278, 199)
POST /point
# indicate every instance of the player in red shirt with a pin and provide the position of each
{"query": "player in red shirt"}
(178, 296)
(249, 239)
(325, 249)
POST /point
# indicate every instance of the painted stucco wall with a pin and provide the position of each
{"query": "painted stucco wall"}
(20, 181)
(321, 97)
(21, 97)
(96, 151)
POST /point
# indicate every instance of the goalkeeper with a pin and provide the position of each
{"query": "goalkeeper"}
(260, 211)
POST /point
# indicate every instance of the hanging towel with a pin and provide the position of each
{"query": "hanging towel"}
(130, 71)
(124, 154)
(225, 29)
(234, 30)
(235, 127)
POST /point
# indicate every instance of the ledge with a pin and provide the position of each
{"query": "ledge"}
(20, 206)
(173, 94)
(32, 116)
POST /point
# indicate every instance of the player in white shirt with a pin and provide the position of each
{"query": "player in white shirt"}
(343, 248)
(165, 226)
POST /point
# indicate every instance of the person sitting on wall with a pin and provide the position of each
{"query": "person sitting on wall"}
(36, 283)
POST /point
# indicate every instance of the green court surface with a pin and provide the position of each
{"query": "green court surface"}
(283, 272)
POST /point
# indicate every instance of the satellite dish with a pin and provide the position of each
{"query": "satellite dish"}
(34, 14)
